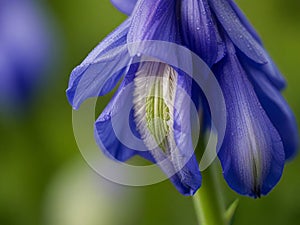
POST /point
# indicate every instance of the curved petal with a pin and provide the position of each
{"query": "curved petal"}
(199, 30)
(245, 39)
(111, 121)
(268, 70)
(277, 109)
(273, 74)
(116, 123)
(154, 20)
(125, 6)
(183, 119)
(163, 122)
(100, 71)
(237, 31)
(252, 154)
(245, 21)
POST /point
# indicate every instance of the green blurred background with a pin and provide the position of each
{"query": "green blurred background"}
(45, 181)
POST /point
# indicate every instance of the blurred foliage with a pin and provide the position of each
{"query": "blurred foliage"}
(35, 147)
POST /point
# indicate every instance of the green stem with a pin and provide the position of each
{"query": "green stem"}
(208, 200)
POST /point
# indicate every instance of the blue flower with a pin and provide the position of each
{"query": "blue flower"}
(261, 131)
(24, 51)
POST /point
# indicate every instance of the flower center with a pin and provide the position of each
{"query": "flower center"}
(157, 116)
(154, 95)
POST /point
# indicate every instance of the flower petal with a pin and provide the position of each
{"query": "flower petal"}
(245, 21)
(163, 122)
(252, 154)
(268, 70)
(154, 20)
(199, 30)
(125, 6)
(237, 31)
(183, 119)
(277, 109)
(246, 39)
(111, 127)
(100, 71)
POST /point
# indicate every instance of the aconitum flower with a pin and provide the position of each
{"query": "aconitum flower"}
(148, 78)
(261, 132)
(24, 52)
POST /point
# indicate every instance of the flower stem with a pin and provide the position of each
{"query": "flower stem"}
(208, 200)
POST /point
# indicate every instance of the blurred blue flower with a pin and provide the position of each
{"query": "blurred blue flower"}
(261, 131)
(24, 51)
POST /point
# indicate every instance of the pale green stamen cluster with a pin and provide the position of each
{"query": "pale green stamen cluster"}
(157, 116)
